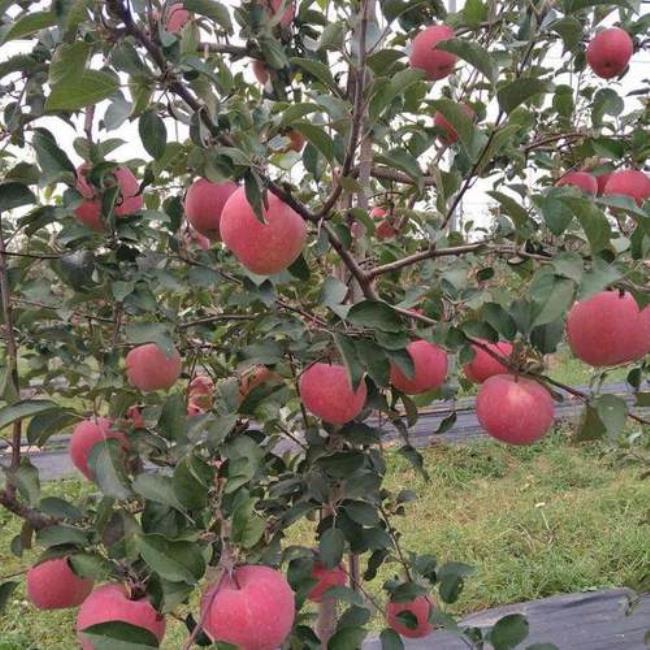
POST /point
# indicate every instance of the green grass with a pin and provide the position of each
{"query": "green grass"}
(535, 521)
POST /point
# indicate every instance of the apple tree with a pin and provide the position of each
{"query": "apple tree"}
(237, 251)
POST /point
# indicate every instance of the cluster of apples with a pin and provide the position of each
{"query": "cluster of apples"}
(630, 183)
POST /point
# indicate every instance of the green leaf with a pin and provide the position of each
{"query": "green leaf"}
(50, 157)
(14, 195)
(106, 462)
(508, 632)
(552, 296)
(153, 134)
(295, 112)
(452, 579)
(255, 193)
(90, 88)
(211, 9)
(318, 70)
(6, 590)
(573, 6)
(612, 412)
(375, 314)
(318, 137)
(158, 488)
(27, 25)
(348, 352)
(402, 160)
(247, 525)
(172, 417)
(474, 12)
(330, 547)
(514, 210)
(391, 640)
(519, 91)
(68, 61)
(177, 561)
(157, 333)
(333, 292)
(388, 91)
(26, 479)
(25, 409)
(473, 53)
(347, 638)
(61, 535)
(118, 635)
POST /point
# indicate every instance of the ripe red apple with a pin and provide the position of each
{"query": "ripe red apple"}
(602, 180)
(273, 6)
(632, 183)
(86, 435)
(176, 17)
(582, 180)
(609, 52)
(148, 368)
(204, 203)
(260, 71)
(263, 248)
(430, 363)
(483, 365)
(111, 602)
(54, 585)
(513, 409)
(326, 391)
(201, 391)
(297, 140)
(450, 136)
(134, 417)
(436, 63)
(385, 229)
(192, 237)
(420, 608)
(641, 345)
(253, 377)
(252, 610)
(607, 329)
(327, 578)
(90, 210)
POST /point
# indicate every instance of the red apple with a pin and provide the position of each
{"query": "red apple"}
(484, 365)
(111, 603)
(176, 17)
(297, 140)
(148, 368)
(513, 409)
(631, 183)
(201, 391)
(326, 579)
(204, 203)
(582, 180)
(609, 52)
(86, 435)
(193, 238)
(420, 608)
(260, 71)
(450, 136)
(54, 585)
(273, 6)
(641, 345)
(263, 248)
(430, 363)
(436, 63)
(252, 610)
(134, 417)
(326, 391)
(607, 329)
(90, 210)
(385, 229)
(253, 377)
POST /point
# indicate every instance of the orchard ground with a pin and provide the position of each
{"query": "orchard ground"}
(552, 518)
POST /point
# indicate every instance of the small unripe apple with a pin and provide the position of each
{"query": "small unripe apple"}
(148, 368)
(436, 63)
(263, 248)
(175, 17)
(111, 603)
(632, 183)
(204, 203)
(450, 136)
(609, 52)
(86, 435)
(483, 365)
(326, 579)
(326, 391)
(607, 329)
(54, 585)
(260, 71)
(420, 608)
(253, 609)
(89, 210)
(582, 180)
(513, 409)
(430, 364)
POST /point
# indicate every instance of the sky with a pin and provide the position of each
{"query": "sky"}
(475, 204)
